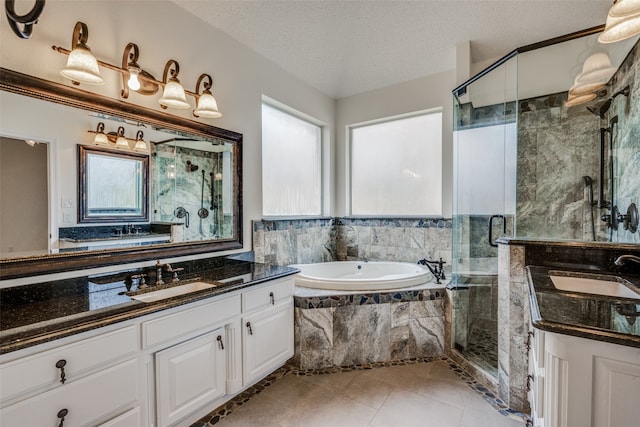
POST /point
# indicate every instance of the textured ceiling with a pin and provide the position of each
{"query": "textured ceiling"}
(347, 47)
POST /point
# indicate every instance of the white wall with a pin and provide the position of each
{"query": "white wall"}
(420, 94)
(164, 31)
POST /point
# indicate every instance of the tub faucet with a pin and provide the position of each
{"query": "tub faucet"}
(437, 269)
(622, 259)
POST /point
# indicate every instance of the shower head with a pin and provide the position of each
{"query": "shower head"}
(191, 167)
(601, 110)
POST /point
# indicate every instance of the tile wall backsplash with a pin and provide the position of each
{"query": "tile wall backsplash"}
(286, 242)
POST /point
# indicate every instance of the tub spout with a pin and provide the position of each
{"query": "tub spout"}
(435, 267)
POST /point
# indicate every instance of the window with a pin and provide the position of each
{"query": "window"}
(291, 164)
(396, 166)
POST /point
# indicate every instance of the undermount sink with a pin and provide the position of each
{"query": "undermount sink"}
(172, 291)
(612, 287)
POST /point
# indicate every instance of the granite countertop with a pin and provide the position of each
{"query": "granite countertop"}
(603, 318)
(129, 236)
(39, 313)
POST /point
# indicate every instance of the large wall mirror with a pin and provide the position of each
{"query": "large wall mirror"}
(180, 195)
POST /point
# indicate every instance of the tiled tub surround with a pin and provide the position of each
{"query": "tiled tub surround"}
(513, 298)
(39, 313)
(334, 328)
(285, 242)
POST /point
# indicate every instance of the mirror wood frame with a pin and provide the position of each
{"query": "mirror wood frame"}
(23, 84)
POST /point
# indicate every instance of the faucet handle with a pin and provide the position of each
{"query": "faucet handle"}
(175, 274)
(143, 280)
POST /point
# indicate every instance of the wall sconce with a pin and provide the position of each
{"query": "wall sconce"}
(118, 140)
(83, 67)
(623, 21)
(206, 105)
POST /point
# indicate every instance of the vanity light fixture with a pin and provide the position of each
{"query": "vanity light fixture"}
(173, 94)
(82, 66)
(100, 137)
(206, 105)
(121, 140)
(140, 145)
(596, 72)
(623, 21)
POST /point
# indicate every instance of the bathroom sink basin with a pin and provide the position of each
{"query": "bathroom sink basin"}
(172, 291)
(610, 287)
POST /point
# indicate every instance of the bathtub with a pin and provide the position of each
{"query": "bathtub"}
(361, 275)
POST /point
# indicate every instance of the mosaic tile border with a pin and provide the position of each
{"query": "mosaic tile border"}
(396, 222)
(223, 411)
(369, 298)
(288, 224)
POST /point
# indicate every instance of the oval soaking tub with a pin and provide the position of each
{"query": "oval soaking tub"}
(361, 275)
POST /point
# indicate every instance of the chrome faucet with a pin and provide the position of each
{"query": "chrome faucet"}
(159, 268)
(437, 270)
(166, 267)
(622, 259)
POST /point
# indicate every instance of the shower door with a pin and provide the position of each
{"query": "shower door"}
(485, 137)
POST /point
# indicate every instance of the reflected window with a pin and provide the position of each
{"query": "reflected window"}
(396, 166)
(291, 164)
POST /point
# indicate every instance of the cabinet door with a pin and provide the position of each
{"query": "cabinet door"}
(267, 341)
(189, 375)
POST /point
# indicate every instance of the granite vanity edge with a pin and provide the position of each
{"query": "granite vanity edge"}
(578, 331)
(567, 243)
(23, 337)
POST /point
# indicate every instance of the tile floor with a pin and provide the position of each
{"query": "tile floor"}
(420, 394)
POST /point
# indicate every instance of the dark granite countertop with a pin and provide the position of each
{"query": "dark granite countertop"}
(35, 314)
(603, 318)
(130, 236)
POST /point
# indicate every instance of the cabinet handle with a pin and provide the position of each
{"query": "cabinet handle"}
(61, 414)
(220, 342)
(530, 335)
(273, 299)
(249, 326)
(60, 365)
(529, 381)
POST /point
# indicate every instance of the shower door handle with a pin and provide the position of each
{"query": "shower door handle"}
(504, 228)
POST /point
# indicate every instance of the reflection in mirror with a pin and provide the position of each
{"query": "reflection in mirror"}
(23, 220)
(113, 185)
(67, 117)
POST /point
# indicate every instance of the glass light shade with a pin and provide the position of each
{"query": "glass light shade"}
(82, 67)
(207, 106)
(173, 95)
(625, 8)
(101, 139)
(596, 69)
(618, 29)
(122, 142)
(133, 82)
(577, 100)
(584, 89)
(140, 145)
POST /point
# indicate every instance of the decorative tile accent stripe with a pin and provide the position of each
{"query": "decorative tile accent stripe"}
(369, 298)
(396, 222)
(223, 411)
(289, 224)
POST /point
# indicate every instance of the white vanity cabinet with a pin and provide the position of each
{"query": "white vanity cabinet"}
(267, 322)
(90, 381)
(581, 382)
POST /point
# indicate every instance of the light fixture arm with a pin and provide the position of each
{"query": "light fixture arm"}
(207, 84)
(129, 60)
(80, 35)
(168, 69)
(28, 19)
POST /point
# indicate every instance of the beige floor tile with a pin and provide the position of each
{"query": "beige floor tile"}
(406, 409)
(479, 413)
(446, 390)
(368, 390)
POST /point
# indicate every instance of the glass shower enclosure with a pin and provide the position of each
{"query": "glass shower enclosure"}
(484, 144)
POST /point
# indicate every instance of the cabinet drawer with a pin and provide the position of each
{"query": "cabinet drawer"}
(189, 322)
(128, 419)
(31, 374)
(267, 295)
(88, 401)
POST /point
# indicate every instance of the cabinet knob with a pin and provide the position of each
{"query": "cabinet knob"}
(272, 298)
(220, 343)
(60, 364)
(61, 414)
(249, 327)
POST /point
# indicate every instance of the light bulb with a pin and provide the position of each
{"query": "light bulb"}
(133, 82)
